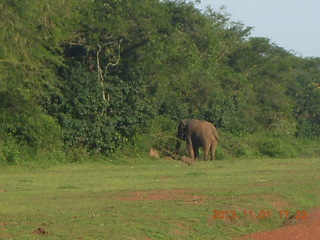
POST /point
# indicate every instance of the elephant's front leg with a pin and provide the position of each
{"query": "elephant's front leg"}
(190, 148)
(196, 151)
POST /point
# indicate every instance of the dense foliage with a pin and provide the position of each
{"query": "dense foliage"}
(103, 76)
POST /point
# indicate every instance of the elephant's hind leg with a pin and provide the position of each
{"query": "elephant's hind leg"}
(207, 148)
(213, 148)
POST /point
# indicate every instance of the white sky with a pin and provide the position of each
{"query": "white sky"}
(291, 24)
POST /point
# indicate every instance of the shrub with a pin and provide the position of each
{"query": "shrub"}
(277, 147)
(163, 135)
(10, 151)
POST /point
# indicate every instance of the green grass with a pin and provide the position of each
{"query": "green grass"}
(108, 201)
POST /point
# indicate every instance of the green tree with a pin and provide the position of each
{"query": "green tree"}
(30, 36)
(306, 92)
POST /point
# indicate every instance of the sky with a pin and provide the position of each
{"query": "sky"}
(291, 24)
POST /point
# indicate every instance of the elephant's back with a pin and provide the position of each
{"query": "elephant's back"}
(203, 128)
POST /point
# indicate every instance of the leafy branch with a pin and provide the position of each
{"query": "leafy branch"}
(102, 72)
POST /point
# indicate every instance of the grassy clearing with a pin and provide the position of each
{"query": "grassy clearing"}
(154, 200)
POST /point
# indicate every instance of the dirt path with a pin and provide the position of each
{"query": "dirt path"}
(303, 229)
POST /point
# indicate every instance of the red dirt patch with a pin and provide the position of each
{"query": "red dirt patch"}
(275, 201)
(172, 194)
(306, 229)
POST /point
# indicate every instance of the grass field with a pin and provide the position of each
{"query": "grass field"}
(155, 199)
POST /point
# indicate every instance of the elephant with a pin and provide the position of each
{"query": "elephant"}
(198, 134)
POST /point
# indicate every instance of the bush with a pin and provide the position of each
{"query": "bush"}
(244, 150)
(10, 151)
(277, 146)
(163, 135)
(160, 136)
(261, 144)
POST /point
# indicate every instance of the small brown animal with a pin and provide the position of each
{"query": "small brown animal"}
(187, 160)
(154, 153)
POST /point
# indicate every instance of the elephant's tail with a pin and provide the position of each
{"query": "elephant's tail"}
(215, 134)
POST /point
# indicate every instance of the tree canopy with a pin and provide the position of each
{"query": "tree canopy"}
(103, 75)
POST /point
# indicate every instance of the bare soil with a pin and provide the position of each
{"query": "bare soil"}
(304, 229)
